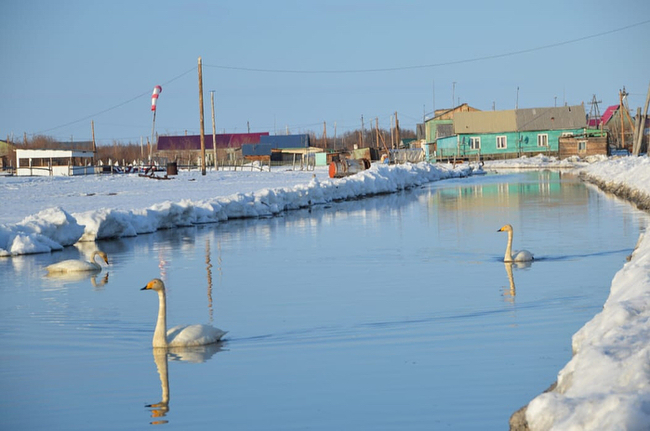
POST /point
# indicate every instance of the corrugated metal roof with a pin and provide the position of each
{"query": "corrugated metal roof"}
(484, 122)
(557, 118)
(193, 142)
(609, 113)
(565, 117)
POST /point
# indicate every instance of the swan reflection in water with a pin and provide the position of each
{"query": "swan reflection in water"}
(511, 291)
(161, 355)
(97, 281)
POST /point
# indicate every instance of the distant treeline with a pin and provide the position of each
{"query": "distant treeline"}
(129, 152)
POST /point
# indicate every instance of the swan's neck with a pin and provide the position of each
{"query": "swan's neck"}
(93, 261)
(508, 256)
(160, 334)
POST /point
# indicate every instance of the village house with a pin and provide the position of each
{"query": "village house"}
(510, 133)
(186, 149)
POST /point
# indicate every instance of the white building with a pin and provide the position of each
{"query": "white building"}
(54, 162)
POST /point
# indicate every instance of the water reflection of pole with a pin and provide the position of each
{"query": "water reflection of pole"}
(219, 261)
(208, 267)
(162, 263)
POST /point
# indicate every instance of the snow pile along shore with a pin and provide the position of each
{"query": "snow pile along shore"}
(54, 228)
(606, 385)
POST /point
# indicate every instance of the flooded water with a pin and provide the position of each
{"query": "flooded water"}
(394, 312)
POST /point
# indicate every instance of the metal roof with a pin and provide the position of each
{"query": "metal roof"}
(193, 142)
(484, 122)
(557, 118)
(530, 119)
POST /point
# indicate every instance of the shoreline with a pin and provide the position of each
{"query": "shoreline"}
(518, 420)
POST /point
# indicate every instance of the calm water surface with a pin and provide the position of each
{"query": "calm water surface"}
(394, 312)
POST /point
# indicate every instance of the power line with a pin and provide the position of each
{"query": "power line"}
(115, 106)
(428, 66)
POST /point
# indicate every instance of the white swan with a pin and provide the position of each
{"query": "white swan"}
(517, 256)
(78, 265)
(179, 336)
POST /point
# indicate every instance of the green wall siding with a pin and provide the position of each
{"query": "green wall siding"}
(516, 143)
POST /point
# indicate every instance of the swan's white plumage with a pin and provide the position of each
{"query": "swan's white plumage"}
(514, 256)
(77, 265)
(183, 335)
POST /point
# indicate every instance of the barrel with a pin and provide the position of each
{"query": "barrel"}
(347, 167)
(172, 168)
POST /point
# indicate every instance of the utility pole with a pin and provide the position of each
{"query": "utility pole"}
(214, 132)
(92, 127)
(324, 135)
(620, 114)
(453, 94)
(397, 134)
(201, 117)
(362, 131)
(377, 131)
(517, 99)
(639, 139)
(335, 136)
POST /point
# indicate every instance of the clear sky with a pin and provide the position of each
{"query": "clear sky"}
(277, 65)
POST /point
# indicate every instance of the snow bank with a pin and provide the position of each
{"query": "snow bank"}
(53, 229)
(541, 161)
(606, 385)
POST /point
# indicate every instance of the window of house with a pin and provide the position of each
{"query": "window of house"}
(542, 140)
(582, 145)
(475, 143)
(502, 142)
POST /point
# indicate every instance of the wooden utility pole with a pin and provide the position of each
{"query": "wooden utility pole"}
(214, 132)
(639, 138)
(620, 114)
(201, 115)
(334, 147)
(92, 127)
(362, 131)
(397, 137)
(377, 131)
(324, 135)
(637, 129)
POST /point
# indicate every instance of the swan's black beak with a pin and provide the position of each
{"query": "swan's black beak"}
(144, 288)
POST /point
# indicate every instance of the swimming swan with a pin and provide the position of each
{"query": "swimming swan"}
(517, 256)
(179, 336)
(78, 265)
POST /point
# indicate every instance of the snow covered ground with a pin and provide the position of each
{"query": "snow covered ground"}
(44, 214)
(606, 385)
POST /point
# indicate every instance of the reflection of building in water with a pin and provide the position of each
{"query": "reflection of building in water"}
(477, 200)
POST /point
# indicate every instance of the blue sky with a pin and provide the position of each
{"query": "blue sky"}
(278, 65)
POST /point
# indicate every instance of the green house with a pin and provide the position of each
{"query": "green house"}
(511, 133)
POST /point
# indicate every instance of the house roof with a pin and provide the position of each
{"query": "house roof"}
(484, 122)
(448, 114)
(193, 142)
(557, 118)
(608, 114)
(530, 119)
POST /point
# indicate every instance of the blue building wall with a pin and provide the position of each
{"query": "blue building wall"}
(516, 143)
(286, 141)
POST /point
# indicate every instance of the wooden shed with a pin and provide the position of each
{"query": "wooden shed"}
(583, 145)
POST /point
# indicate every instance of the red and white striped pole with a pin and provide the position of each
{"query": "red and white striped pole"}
(154, 100)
